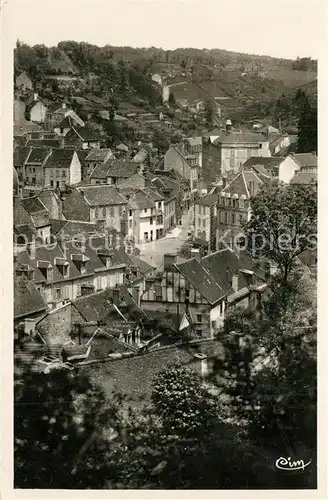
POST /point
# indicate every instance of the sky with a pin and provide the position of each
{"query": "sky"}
(278, 28)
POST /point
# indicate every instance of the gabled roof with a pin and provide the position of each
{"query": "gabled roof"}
(201, 280)
(60, 158)
(209, 201)
(140, 200)
(45, 143)
(121, 169)
(194, 141)
(86, 133)
(33, 205)
(98, 154)
(21, 154)
(305, 178)
(38, 156)
(27, 299)
(240, 138)
(102, 195)
(306, 159)
(266, 162)
(239, 184)
(74, 229)
(135, 180)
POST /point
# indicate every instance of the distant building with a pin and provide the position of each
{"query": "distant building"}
(174, 160)
(97, 203)
(62, 168)
(236, 147)
(36, 109)
(23, 82)
(83, 137)
(205, 220)
(293, 163)
(145, 215)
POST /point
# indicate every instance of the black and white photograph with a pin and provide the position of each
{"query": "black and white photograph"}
(165, 213)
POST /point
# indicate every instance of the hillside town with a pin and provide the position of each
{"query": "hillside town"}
(128, 248)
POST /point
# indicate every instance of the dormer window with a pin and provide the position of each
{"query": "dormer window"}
(63, 266)
(80, 261)
(106, 257)
(45, 268)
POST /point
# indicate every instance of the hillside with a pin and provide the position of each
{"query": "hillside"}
(245, 85)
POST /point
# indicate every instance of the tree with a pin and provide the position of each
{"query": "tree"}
(183, 404)
(172, 101)
(209, 112)
(307, 129)
(62, 431)
(282, 224)
(160, 141)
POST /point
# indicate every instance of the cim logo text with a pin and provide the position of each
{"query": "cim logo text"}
(289, 464)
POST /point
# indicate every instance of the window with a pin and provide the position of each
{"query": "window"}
(51, 173)
(199, 209)
(146, 236)
(130, 213)
(221, 308)
(260, 146)
(241, 218)
(151, 221)
(61, 130)
(111, 212)
(199, 222)
(27, 180)
(234, 202)
(204, 222)
(130, 223)
(199, 318)
(63, 173)
(33, 169)
(52, 183)
(57, 292)
(187, 292)
(145, 210)
(33, 180)
(233, 153)
(233, 216)
(213, 324)
(199, 332)
(225, 217)
(57, 184)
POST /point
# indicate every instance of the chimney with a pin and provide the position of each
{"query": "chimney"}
(169, 260)
(136, 295)
(202, 358)
(64, 105)
(228, 126)
(29, 326)
(235, 280)
(116, 296)
(195, 254)
(35, 96)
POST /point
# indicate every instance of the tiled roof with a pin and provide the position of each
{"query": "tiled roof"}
(38, 156)
(240, 138)
(33, 205)
(60, 158)
(20, 140)
(209, 201)
(121, 169)
(74, 229)
(239, 184)
(98, 154)
(27, 299)
(201, 280)
(75, 207)
(57, 225)
(153, 194)
(134, 376)
(194, 141)
(267, 162)
(143, 266)
(99, 172)
(21, 154)
(102, 195)
(305, 178)
(223, 264)
(140, 200)
(306, 159)
(87, 134)
(134, 180)
(45, 143)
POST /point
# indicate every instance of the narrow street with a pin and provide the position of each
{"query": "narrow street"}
(153, 251)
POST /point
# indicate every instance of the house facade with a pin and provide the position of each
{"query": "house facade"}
(236, 147)
(205, 220)
(97, 204)
(34, 168)
(36, 109)
(174, 160)
(23, 82)
(233, 207)
(294, 163)
(62, 168)
(145, 212)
